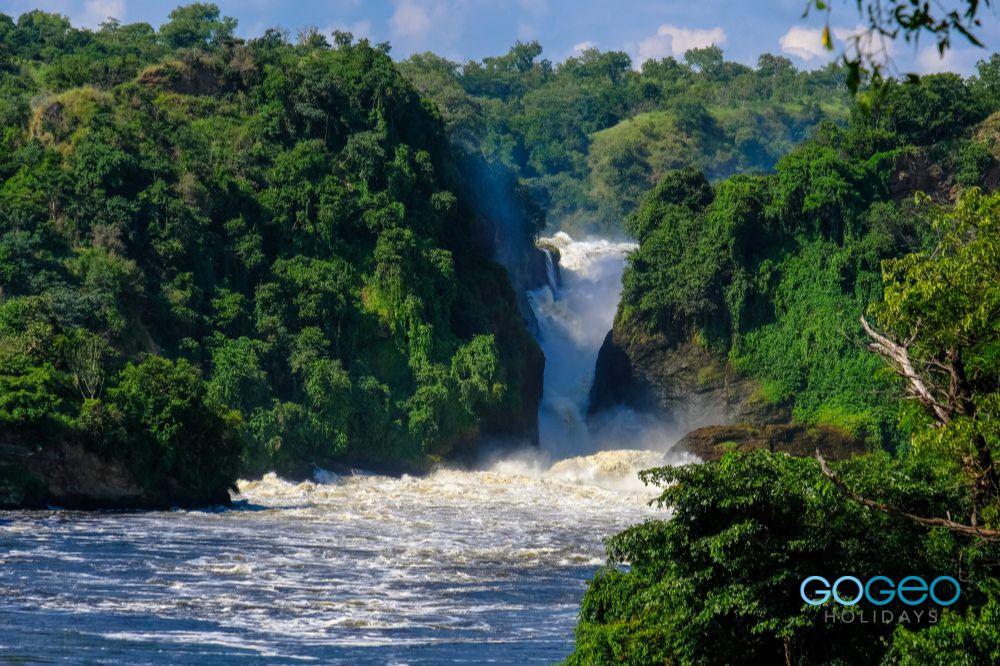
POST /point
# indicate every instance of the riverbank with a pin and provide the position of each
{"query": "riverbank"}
(484, 566)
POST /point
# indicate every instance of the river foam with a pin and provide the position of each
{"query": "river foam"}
(455, 566)
(486, 565)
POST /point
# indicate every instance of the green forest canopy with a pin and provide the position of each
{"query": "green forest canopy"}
(885, 216)
(591, 134)
(220, 254)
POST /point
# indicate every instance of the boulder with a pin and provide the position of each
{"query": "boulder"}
(712, 442)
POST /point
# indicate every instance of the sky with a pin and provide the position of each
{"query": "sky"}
(471, 29)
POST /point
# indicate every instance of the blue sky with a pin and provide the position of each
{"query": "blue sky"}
(471, 29)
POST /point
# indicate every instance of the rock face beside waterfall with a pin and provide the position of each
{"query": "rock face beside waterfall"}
(69, 475)
(686, 383)
(693, 388)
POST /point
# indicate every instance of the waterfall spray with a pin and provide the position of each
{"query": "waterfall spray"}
(574, 315)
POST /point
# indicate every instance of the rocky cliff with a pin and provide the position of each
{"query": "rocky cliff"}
(71, 476)
(688, 384)
(691, 387)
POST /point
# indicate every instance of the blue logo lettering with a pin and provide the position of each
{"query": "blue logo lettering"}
(880, 590)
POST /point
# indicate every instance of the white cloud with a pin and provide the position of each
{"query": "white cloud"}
(412, 18)
(671, 40)
(427, 25)
(96, 12)
(583, 46)
(805, 43)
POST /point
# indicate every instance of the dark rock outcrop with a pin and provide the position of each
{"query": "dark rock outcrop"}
(537, 275)
(527, 275)
(550, 255)
(712, 442)
(689, 385)
(615, 382)
(917, 172)
(71, 476)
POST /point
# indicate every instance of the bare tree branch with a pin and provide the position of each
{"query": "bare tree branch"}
(86, 359)
(898, 356)
(946, 523)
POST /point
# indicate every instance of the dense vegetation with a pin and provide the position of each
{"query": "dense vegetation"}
(216, 253)
(773, 271)
(591, 134)
(718, 583)
(884, 217)
(221, 255)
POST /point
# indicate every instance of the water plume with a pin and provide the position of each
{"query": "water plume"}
(574, 314)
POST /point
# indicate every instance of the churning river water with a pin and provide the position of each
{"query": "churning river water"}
(458, 566)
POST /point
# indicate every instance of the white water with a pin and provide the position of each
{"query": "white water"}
(574, 318)
(453, 567)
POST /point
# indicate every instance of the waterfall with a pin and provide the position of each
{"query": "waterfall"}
(574, 315)
(573, 319)
(552, 278)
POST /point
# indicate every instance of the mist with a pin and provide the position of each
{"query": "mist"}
(574, 314)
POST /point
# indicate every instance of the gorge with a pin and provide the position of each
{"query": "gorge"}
(486, 564)
(310, 352)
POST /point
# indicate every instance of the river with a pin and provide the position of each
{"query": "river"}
(454, 567)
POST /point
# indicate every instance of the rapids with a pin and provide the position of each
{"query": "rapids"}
(456, 566)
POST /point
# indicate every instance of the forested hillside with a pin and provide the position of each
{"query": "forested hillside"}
(753, 290)
(591, 134)
(222, 255)
(759, 281)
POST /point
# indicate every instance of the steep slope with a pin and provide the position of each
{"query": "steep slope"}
(742, 303)
(247, 256)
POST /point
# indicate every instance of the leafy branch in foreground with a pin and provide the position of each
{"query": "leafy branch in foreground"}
(867, 52)
(944, 310)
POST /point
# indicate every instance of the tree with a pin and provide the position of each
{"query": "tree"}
(199, 24)
(986, 83)
(937, 107)
(717, 582)
(477, 372)
(174, 429)
(890, 19)
(29, 395)
(328, 396)
(773, 65)
(86, 357)
(941, 311)
(42, 34)
(237, 379)
(686, 188)
(707, 59)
